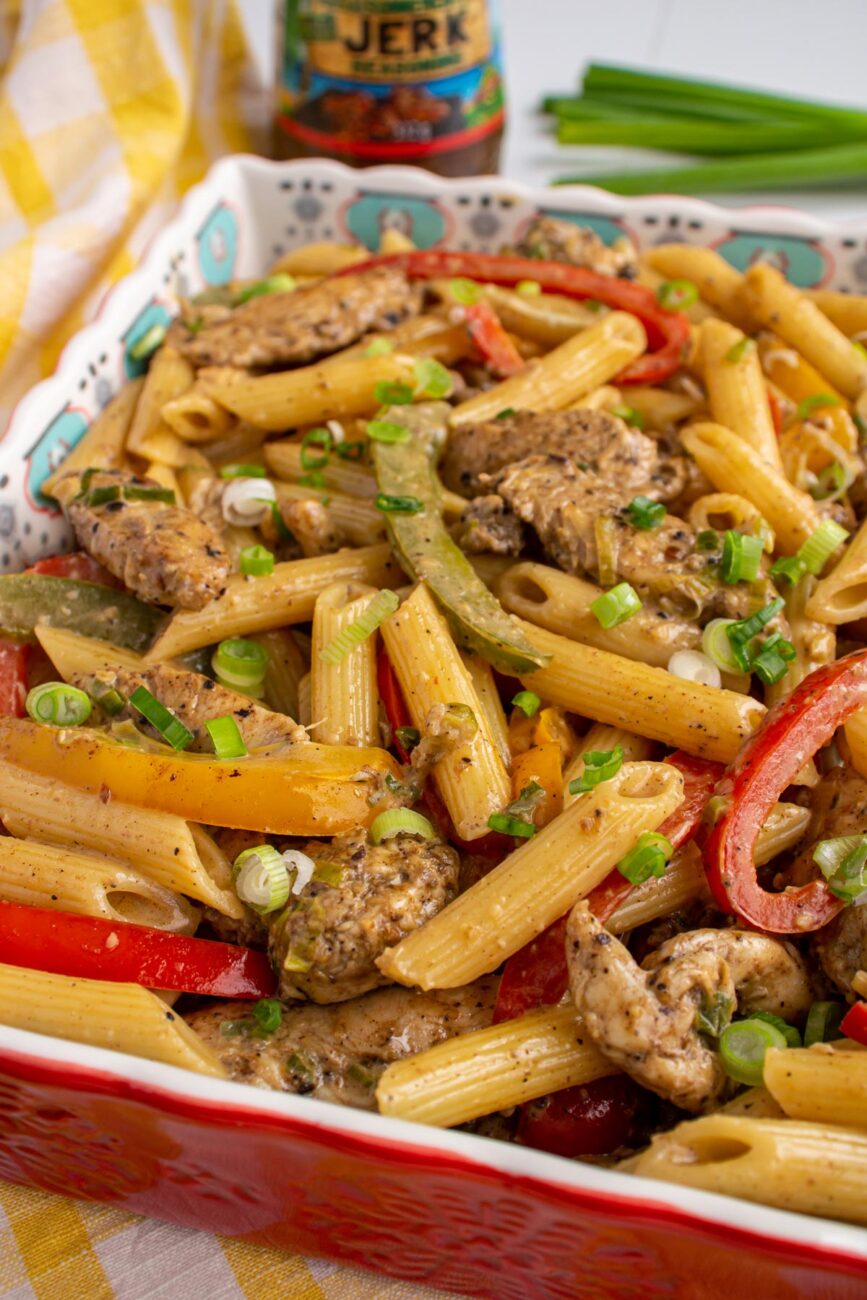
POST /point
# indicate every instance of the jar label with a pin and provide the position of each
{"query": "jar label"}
(391, 78)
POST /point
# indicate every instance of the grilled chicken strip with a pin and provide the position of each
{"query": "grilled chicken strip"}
(644, 1018)
(284, 329)
(196, 699)
(324, 945)
(556, 240)
(338, 1053)
(163, 553)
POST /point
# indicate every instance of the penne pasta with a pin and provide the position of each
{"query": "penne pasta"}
(356, 519)
(484, 684)
(819, 1084)
(683, 882)
(723, 510)
(848, 311)
(72, 653)
(718, 283)
(733, 466)
(121, 1017)
(169, 375)
(547, 318)
(102, 446)
(563, 375)
(736, 391)
(814, 640)
(660, 408)
(492, 1069)
(274, 600)
(323, 258)
(196, 417)
(471, 777)
(284, 459)
(841, 597)
(601, 739)
(537, 883)
(344, 701)
(287, 664)
(703, 720)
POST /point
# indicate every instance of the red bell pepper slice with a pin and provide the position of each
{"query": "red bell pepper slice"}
(591, 1119)
(77, 565)
(668, 332)
(90, 947)
(13, 678)
(769, 761)
(489, 336)
(536, 975)
(854, 1023)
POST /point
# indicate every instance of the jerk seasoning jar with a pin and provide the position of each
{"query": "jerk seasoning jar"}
(407, 81)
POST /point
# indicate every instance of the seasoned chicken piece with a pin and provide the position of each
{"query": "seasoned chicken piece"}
(338, 1053)
(555, 240)
(600, 442)
(196, 699)
(326, 942)
(312, 526)
(644, 1019)
(163, 553)
(488, 526)
(283, 329)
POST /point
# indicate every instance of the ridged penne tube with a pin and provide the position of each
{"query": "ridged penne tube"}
(598, 399)
(754, 1103)
(856, 737)
(784, 827)
(169, 374)
(723, 510)
(240, 444)
(41, 875)
(815, 641)
(797, 379)
(394, 241)
(561, 603)
(167, 478)
(546, 318)
(848, 311)
(575, 367)
(166, 448)
(703, 720)
(321, 258)
(798, 320)
(72, 653)
(492, 1069)
(287, 664)
(819, 1084)
(810, 446)
(485, 686)
(718, 283)
(344, 700)
(471, 778)
(159, 846)
(601, 739)
(537, 883)
(305, 700)
(274, 600)
(660, 407)
(335, 389)
(356, 519)
(683, 882)
(736, 389)
(733, 466)
(841, 597)
(284, 459)
(102, 446)
(810, 1168)
(196, 417)
(122, 1017)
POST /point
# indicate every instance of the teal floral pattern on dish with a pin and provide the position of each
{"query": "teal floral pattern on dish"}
(370, 215)
(799, 260)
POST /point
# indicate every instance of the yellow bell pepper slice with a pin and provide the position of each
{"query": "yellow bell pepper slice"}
(312, 790)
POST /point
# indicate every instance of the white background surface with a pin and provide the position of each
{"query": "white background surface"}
(816, 48)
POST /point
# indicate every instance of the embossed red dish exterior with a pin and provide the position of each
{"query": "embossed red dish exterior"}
(449, 1209)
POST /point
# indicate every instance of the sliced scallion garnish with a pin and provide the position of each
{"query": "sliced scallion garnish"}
(629, 415)
(517, 818)
(528, 702)
(808, 405)
(279, 283)
(171, 729)
(240, 665)
(387, 431)
(716, 645)
(58, 704)
(649, 857)
(388, 393)
(380, 608)
(243, 471)
(843, 863)
(261, 878)
(528, 288)
(599, 766)
(823, 1023)
(312, 459)
(743, 1047)
(741, 557)
(379, 348)
(616, 606)
(465, 291)
(432, 378)
(832, 482)
(148, 492)
(790, 1032)
(351, 450)
(226, 737)
(676, 295)
(400, 821)
(821, 545)
(739, 350)
(645, 514)
(255, 561)
(744, 630)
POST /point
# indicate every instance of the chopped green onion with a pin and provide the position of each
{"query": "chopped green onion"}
(280, 283)
(59, 705)
(529, 288)
(314, 480)
(789, 1032)
(261, 878)
(171, 729)
(843, 863)
(741, 557)
(351, 450)
(316, 438)
(714, 1014)
(240, 665)
(101, 496)
(645, 514)
(407, 737)
(387, 431)
(388, 393)
(790, 567)
(147, 343)
(148, 492)
(616, 606)
(432, 378)
(769, 664)
(508, 825)
(243, 471)
(823, 1023)
(108, 698)
(717, 647)
(821, 545)
(739, 350)
(465, 291)
(400, 821)
(380, 608)
(379, 348)
(226, 737)
(629, 415)
(676, 295)
(527, 701)
(506, 413)
(744, 630)
(254, 561)
(832, 482)
(707, 540)
(810, 404)
(268, 1015)
(398, 505)
(599, 766)
(648, 858)
(743, 1046)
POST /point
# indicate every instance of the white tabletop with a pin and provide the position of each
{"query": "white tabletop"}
(814, 48)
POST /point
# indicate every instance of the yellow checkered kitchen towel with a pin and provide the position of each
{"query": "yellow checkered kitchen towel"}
(109, 110)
